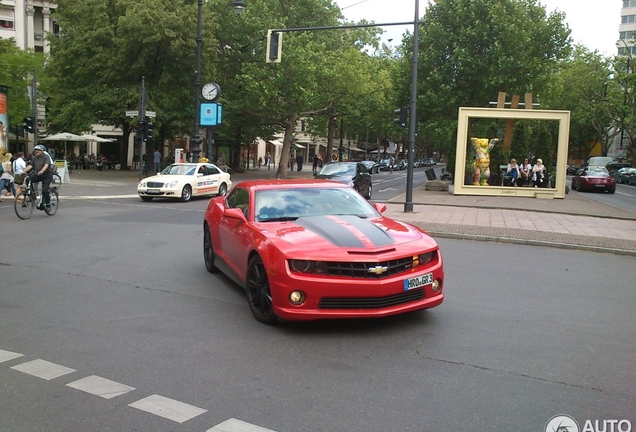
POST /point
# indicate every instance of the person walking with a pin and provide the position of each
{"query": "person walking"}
(6, 178)
(315, 164)
(299, 162)
(157, 160)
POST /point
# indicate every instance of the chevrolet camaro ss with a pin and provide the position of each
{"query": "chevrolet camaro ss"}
(184, 181)
(316, 249)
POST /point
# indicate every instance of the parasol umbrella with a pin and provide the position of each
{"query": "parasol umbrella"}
(64, 136)
(96, 139)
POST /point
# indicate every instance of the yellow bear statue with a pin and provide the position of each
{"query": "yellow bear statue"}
(482, 147)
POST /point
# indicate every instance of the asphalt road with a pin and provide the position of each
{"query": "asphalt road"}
(117, 290)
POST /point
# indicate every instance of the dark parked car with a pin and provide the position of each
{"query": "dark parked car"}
(572, 169)
(372, 166)
(594, 179)
(354, 174)
(383, 165)
(626, 176)
(401, 164)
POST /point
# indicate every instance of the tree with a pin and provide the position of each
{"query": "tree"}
(472, 49)
(621, 92)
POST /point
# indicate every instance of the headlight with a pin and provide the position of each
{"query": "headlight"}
(423, 259)
(142, 184)
(305, 266)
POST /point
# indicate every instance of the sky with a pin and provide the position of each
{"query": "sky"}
(594, 23)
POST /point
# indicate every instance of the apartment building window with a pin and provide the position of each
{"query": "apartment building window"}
(624, 51)
(629, 3)
(6, 24)
(628, 19)
(626, 35)
(302, 125)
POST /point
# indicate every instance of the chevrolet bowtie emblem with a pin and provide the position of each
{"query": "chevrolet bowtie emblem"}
(378, 270)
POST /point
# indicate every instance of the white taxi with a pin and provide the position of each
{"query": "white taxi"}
(184, 181)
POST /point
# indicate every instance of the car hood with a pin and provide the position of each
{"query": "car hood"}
(166, 178)
(320, 233)
(339, 178)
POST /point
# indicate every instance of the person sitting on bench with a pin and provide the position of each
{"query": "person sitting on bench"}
(512, 171)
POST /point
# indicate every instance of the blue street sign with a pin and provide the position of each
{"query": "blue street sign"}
(211, 114)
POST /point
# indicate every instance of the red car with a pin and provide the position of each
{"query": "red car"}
(594, 179)
(312, 249)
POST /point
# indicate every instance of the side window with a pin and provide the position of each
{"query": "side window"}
(212, 170)
(362, 168)
(239, 198)
(202, 170)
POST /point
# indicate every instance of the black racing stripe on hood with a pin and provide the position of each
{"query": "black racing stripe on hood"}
(340, 235)
(375, 234)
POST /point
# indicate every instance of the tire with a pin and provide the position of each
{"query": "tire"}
(146, 198)
(208, 250)
(23, 206)
(611, 190)
(54, 200)
(369, 191)
(259, 295)
(222, 190)
(186, 193)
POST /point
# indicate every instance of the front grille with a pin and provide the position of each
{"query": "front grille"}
(154, 184)
(371, 302)
(361, 270)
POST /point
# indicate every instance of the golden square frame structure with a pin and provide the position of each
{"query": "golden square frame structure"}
(465, 114)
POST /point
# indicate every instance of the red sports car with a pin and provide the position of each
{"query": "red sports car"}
(313, 249)
(594, 179)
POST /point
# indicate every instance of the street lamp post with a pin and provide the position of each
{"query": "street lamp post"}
(239, 7)
(408, 205)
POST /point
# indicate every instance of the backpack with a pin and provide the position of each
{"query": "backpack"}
(52, 167)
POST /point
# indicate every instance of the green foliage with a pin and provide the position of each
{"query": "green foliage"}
(16, 72)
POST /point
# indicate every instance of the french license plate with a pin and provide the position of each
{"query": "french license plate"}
(418, 281)
(153, 191)
(599, 185)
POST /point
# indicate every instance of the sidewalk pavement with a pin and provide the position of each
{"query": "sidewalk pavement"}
(576, 222)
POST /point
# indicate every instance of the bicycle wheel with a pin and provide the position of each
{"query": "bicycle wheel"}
(24, 205)
(54, 200)
(57, 181)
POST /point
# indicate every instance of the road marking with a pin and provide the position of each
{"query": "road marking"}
(43, 369)
(8, 355)
(95, 197)
(234, 425)
(101, 387)
(167, 408)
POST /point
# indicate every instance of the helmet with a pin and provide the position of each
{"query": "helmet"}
(39, 147)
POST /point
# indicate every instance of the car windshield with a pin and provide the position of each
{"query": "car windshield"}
(177, 169)
(338, 169)
(597, 173)
(289, 204)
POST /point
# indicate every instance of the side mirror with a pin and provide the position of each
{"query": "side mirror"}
(234, 213)
(380, 207)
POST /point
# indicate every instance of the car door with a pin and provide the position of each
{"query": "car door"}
(362, 179)
(212, 180)
(234, 233)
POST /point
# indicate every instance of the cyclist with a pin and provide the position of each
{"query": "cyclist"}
(391, 162)
(41, 163)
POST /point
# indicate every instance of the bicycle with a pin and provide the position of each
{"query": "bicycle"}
(27, 199)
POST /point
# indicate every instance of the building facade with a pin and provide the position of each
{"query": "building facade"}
(28, 22)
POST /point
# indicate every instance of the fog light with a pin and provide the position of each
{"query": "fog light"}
(296, 297)
(437, 285)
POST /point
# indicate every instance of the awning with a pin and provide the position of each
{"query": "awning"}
(354, 148)
(299, 146)
(277, 143)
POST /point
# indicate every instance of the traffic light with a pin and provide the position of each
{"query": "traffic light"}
(401, 120)
(28, 123)
(141, 126)
(274, 46)
(148, 131)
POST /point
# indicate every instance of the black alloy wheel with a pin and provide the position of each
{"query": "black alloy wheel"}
(208, 250)
(259, 295)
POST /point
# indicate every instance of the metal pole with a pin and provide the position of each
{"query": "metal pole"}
(140, 133)
(408, 205)
(210, 143)
(196, 140)
(341, 148)
(34, 107)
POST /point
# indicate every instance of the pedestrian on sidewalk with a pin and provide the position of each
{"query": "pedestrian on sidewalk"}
(157, 160)
(315, 164)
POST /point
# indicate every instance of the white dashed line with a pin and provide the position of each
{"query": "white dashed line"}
(167, 408)
(234, 425)
(8, 355)
(101, 387)
(43, 369)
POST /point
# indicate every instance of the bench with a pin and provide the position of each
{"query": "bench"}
(505, 179)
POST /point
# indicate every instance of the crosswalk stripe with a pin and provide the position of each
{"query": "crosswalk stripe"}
(43, 369)
(101, 387)
(8, 355)
(167, 408)
(234, 425)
